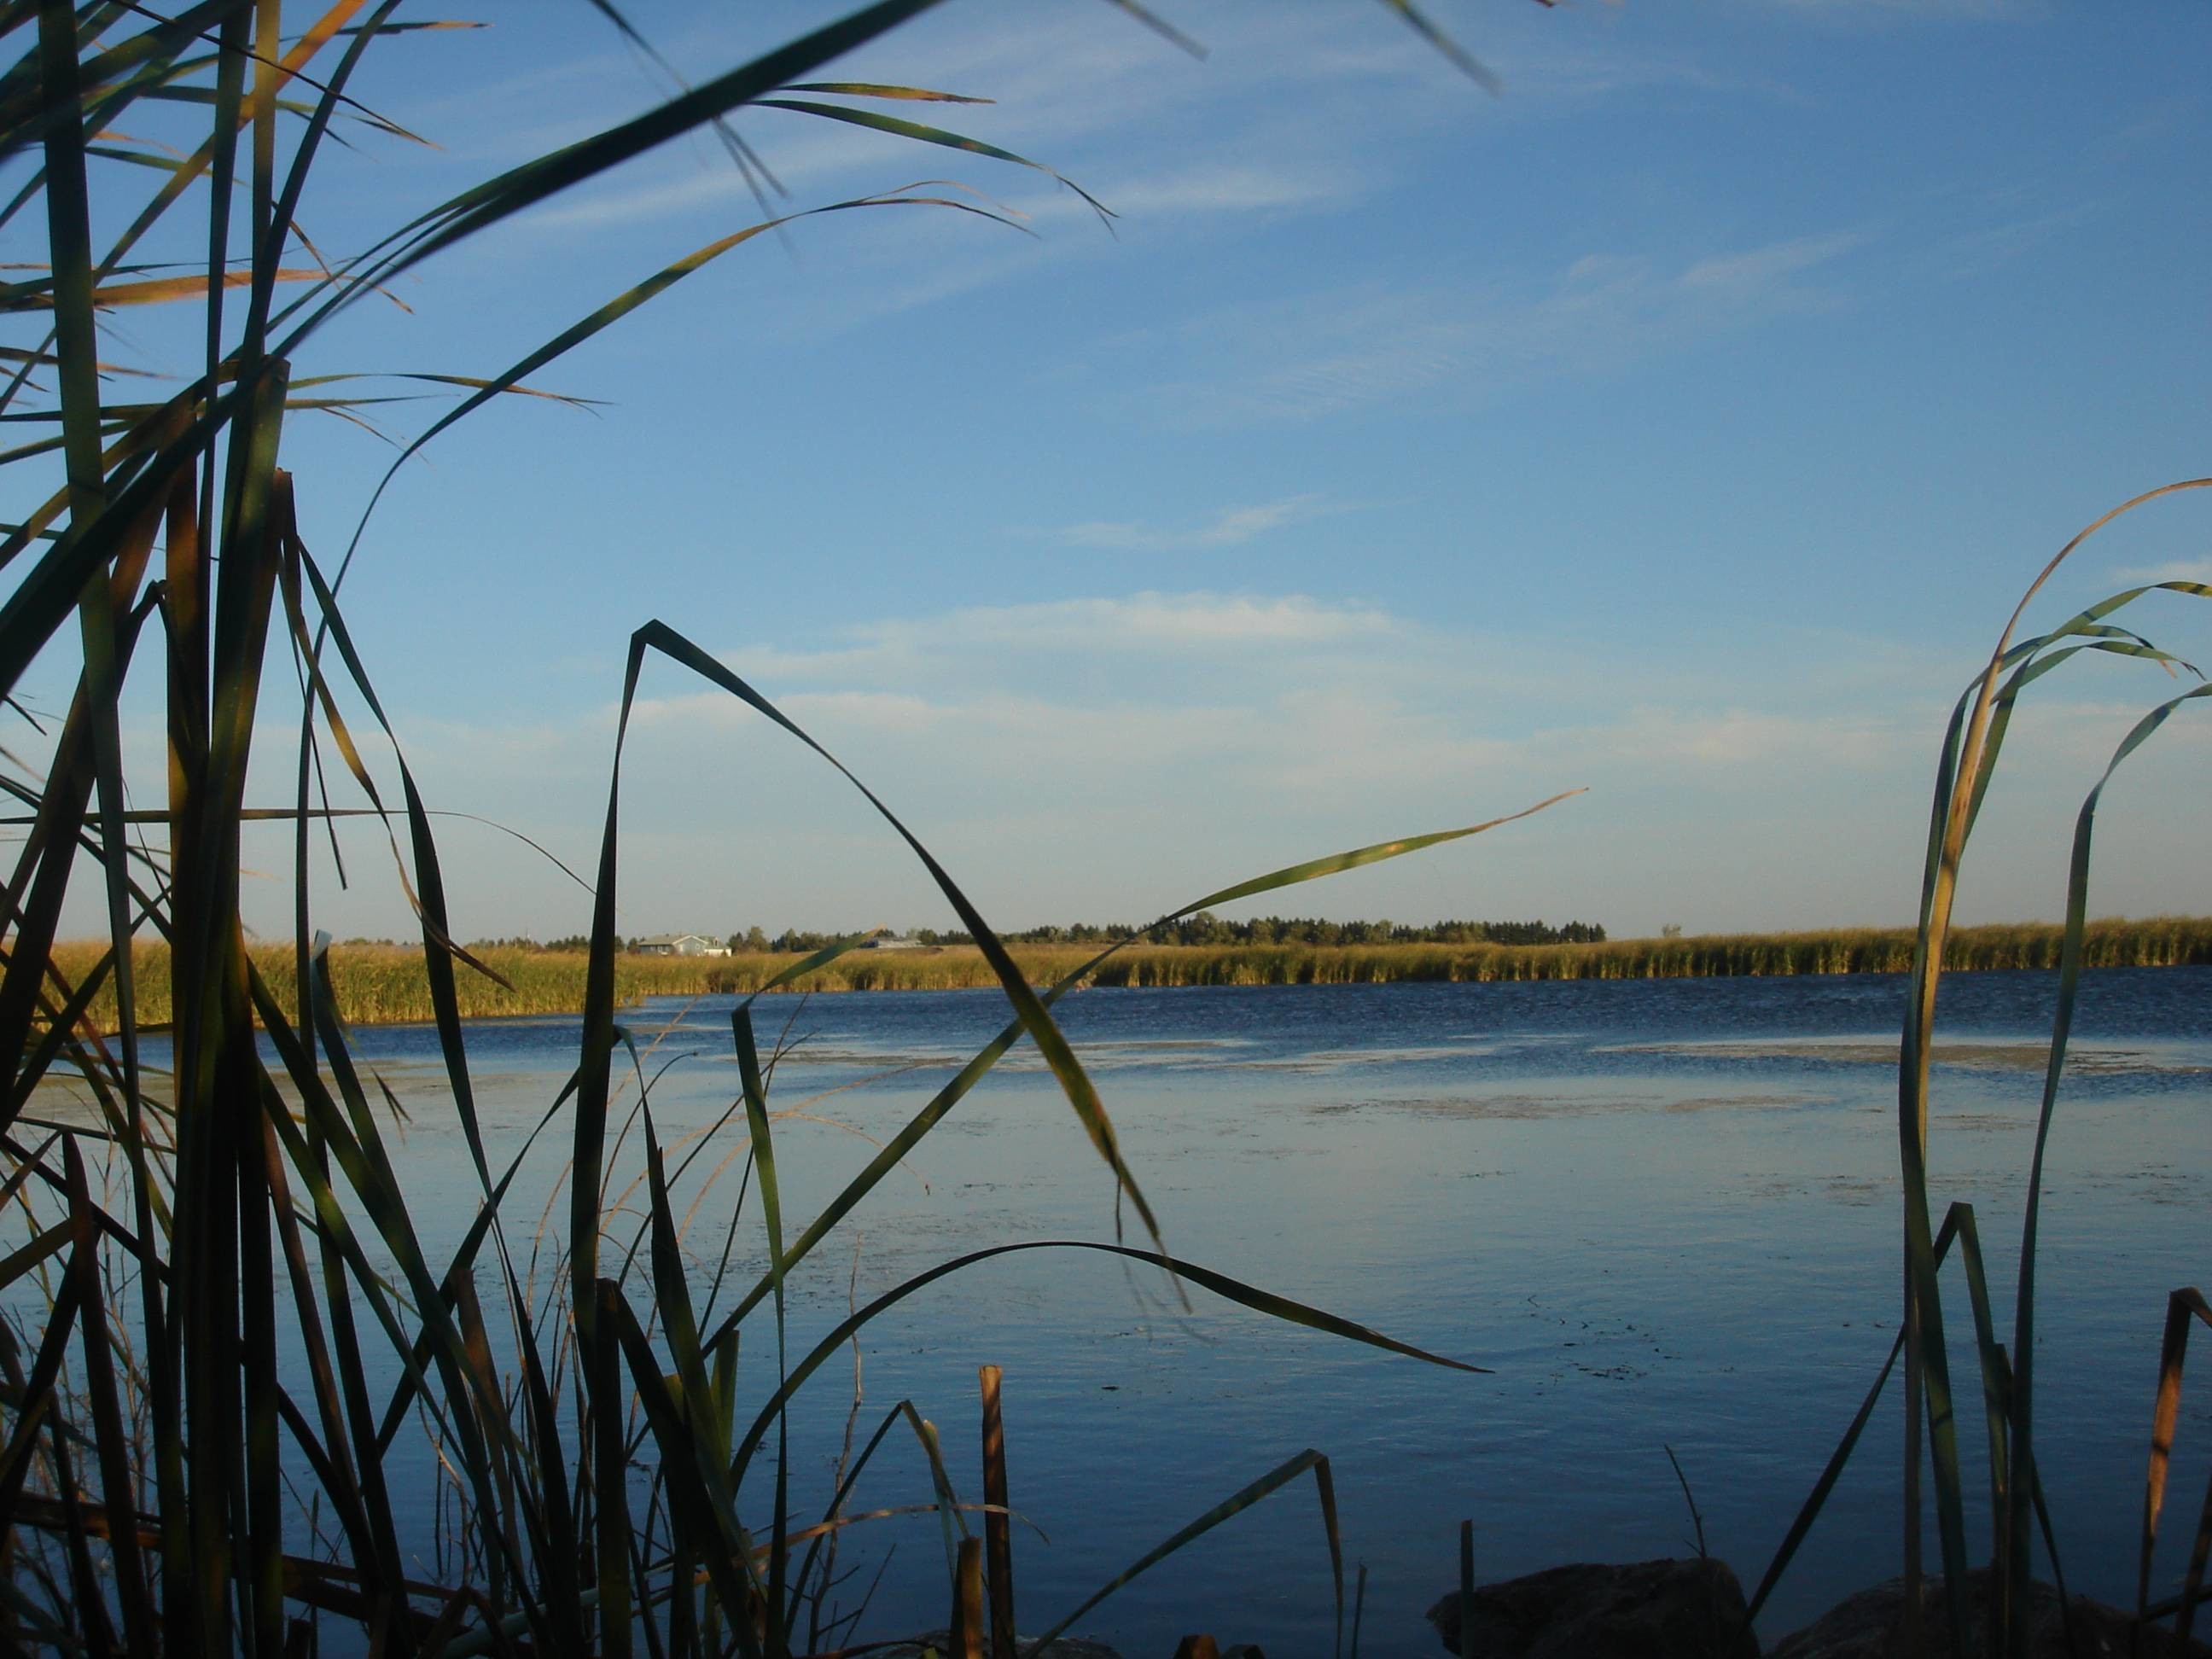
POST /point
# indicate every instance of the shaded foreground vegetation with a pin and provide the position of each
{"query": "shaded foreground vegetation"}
(387, 984)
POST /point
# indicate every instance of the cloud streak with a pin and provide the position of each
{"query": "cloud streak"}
(2170, 570)
(1231, 527)
(1314, 356)
(1294, 110)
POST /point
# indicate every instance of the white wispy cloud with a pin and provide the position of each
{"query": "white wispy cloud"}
(1231, 527)
(2197, 569)
(1286, 692)
(1230, 187)
(1148, 623)
(1923, 11)
(1316, 354)
(1759, 272)
(1736, 738)
(1975, 252)
(1293, 110)
(1903, 13)
(1322, 721)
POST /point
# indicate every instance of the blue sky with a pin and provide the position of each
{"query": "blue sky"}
(1680, 422)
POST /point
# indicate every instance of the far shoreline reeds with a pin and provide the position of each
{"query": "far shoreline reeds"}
(380, 984)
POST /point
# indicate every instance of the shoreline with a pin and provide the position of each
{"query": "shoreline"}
(385, 984)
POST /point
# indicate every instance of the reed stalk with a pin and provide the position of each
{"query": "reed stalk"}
(1967, 763)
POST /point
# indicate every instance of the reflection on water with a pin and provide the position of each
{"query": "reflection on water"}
(1661, 1213)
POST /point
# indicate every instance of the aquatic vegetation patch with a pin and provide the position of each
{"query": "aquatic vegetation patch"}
(379, 984)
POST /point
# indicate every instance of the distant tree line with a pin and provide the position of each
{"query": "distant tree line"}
(1206, 928)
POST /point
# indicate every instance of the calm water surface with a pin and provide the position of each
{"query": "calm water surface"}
(1661, 1213)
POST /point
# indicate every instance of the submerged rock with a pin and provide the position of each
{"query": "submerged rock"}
(1687, 1609)
(1867, 1627)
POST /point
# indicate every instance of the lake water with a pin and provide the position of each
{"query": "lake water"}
(1661, 1213)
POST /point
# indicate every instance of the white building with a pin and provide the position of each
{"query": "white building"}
(679, 945)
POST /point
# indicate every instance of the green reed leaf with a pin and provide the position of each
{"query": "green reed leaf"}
(1234, 1504)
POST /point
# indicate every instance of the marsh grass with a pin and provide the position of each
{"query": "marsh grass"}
(2001, 1374)
(381, 985)
(388, 984)
(2157, 942)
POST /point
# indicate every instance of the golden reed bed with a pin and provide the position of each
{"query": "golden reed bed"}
(384, 984)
